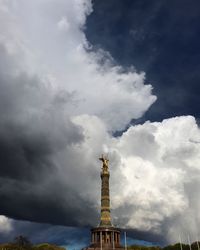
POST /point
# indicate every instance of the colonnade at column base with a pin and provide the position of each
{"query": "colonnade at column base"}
(105, 238)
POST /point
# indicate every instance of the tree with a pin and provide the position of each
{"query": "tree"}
(22, 242)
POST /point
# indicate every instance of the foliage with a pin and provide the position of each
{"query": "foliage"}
(46, 246)
(138, 247)
(177, 246)
(22, 243)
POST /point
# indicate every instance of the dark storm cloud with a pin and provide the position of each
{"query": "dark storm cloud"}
(29, 134)
(21, 200)
(160, 38)
(32, 130)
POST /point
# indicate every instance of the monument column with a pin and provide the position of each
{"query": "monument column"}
(105, 236)
(105, 194)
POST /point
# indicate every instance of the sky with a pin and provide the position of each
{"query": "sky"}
(79, 78)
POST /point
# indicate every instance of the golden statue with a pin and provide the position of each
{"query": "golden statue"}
(105, 163)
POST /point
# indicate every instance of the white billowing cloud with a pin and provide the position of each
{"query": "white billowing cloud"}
(160, 164)
(5, 224)
(63, 61)
(63, 24)
(154, 174)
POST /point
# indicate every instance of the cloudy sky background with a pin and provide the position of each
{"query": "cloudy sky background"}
(78, 79)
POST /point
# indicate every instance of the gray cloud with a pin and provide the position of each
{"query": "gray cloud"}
(45, 162)
(32, 130)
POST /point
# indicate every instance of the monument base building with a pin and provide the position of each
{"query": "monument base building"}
(105, 236)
